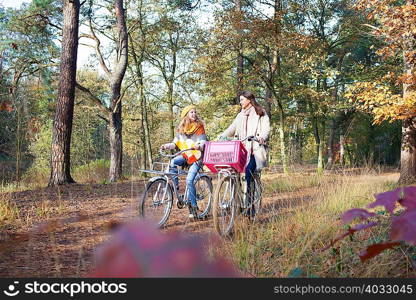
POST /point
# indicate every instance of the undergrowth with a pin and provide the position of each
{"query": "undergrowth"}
(289, 241)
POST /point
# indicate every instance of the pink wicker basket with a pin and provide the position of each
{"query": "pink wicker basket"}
(220, 155)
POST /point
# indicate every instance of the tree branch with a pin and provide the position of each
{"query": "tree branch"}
(103, 118)
(91, 96)
(98, 51)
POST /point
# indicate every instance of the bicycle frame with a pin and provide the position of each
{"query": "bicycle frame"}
(168, 176)
(236, 178)
(231, 198)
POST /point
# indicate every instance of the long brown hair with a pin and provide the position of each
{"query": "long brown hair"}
(184, 123)
(250, 96)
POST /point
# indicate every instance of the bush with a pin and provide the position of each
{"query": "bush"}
(93, 172)
(37, 175)
(8, 212)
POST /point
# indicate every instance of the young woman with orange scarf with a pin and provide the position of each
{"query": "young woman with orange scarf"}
(190, 134)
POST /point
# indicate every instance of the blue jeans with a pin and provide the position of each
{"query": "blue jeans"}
(250, 169)
(192, 172)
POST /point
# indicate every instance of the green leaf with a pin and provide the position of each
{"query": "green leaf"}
(296, 273)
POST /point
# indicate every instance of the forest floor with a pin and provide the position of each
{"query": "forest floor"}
(58, 229)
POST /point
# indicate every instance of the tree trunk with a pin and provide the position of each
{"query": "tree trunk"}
(408, 152)
(240, 60)
(318, 144)
(116, 145)
(282, 142)
(170, 83)
(146, 131)
(18, 141)
(341, 150)
(331, 139)
(147, 148)
(115, 134)
(171, 113)
(62, 127)
(321, 150)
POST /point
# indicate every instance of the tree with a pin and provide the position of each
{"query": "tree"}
(27, 51)
(396, 27)
(114, 110)
(62, 126)
(139, 40)
(170, 50)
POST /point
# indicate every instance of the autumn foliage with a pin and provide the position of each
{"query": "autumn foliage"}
(395, 25)
(6, 105)
(400, 204)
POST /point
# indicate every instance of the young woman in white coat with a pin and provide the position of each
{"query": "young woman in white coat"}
(252, 120)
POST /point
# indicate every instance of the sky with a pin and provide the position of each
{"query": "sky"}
(13, 3)
(83, 51)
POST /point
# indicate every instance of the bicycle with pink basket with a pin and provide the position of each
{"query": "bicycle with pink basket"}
(229, 159)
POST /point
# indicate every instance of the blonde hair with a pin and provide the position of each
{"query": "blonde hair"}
(185, 122)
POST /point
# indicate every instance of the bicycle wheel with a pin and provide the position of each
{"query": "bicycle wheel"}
(203, 186)
(225, 206)
(156, 203)
(255, 197)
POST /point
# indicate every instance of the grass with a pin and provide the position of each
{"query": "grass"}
(290, 242)
(9, 212)
(277, 183)
(94, 172)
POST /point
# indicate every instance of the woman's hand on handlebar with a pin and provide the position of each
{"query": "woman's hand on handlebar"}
(259, 140)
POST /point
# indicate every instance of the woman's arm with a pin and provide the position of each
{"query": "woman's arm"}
(201, 139)
(170, 146)
(231, 130)
(265, 127)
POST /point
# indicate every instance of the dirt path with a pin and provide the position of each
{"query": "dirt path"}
(58, 228)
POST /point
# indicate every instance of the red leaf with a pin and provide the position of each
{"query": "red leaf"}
(364, 226)
(375, 249)
(387, 199)
(140, 250)
(340, 237)
(403, 227)
(409, 198)
(349, 232)
(351, 214)
(6, 105)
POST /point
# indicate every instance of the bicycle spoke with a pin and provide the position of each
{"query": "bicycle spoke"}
(203, 187)
(224, 206)
(156, 202)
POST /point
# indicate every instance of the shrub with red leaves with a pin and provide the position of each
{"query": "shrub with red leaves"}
(141, 250)
(403, 223)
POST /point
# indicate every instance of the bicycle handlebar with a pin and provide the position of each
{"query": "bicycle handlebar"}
(252, 138)
(161, 152)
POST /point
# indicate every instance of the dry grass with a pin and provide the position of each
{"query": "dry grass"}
(289, 242)
(9, 212)
(301, 217)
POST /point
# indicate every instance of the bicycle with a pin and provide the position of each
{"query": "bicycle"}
(157, 200)
(230, 196)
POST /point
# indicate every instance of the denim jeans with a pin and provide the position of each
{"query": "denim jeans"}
(250, 169)
(192, 172)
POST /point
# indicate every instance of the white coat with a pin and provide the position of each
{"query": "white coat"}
(251, 125)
